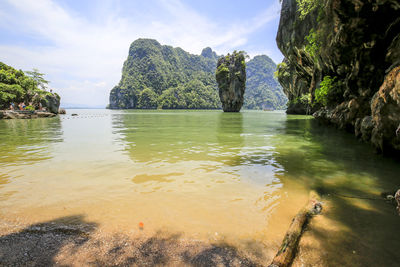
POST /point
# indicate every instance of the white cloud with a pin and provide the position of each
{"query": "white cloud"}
(83, 58)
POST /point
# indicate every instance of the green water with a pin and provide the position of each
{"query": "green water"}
(207, 174)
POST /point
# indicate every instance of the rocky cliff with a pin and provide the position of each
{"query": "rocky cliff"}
(342, 62)
(231, 79)
(161, 76)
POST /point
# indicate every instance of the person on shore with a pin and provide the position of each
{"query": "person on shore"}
(21, 106)
(12, 106)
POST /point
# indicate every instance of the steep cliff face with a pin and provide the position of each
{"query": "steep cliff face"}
(231, 79)
(156, 75)
(340, 64)
(161, 76)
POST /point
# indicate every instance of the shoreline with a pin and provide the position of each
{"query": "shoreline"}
(57, 243)
(25, 114)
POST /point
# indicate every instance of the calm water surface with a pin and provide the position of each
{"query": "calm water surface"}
(207, 174)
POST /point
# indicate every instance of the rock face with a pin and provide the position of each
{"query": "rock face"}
(161, 76)
(385, 107)
(397, 197)
(337, 54)
(52, 103)
(231, 79)
(10, 114)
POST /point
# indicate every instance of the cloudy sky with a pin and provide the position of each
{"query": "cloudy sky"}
(81, 45)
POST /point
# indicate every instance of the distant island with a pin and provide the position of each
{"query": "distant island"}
(161, 76)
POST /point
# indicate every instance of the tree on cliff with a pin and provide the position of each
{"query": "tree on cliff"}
(38, 78)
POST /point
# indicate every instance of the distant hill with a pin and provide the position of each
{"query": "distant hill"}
(263, 91)
(161, 76)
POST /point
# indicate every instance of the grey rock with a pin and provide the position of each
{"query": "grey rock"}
(52, 103)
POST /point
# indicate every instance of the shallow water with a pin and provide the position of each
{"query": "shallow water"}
(205, 174)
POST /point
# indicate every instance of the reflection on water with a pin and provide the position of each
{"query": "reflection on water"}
(357, 228)
(207, 174)
(28, 141)
(178, 136)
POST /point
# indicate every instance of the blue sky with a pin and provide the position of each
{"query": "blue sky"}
(81, 45)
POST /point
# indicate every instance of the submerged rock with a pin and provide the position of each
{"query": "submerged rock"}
(231, 79)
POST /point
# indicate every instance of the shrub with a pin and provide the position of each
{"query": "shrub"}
(325, 88)
(304, 7)
(313, 44)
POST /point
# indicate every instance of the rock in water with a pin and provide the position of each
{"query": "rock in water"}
(231, 79)
(52, 102)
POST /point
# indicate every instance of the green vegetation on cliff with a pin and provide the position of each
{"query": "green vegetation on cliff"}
(231, 78)
(165, 77)
(160, 76)
(337, 53)
(16, 87)
(262, 89)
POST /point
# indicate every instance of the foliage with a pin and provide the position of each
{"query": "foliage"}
(147, 99)
(325, 88)
(167, 73)
(313, 44)
(178, 79)
(38, 78)
(187, 96)
(304, 7)
(304, 99)
(16, 87)
(262, 89)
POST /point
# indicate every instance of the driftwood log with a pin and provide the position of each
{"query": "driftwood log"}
(288, 249)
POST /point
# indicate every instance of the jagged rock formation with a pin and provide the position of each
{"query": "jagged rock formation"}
(340, 64)
(231, 79)
(208, 53)
(160, 76)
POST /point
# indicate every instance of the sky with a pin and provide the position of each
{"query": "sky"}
(81, 45)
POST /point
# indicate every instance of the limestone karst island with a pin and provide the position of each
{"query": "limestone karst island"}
(200, 133)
